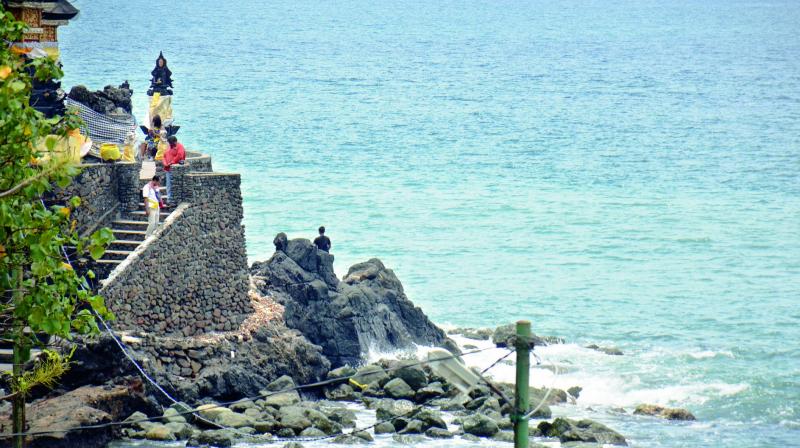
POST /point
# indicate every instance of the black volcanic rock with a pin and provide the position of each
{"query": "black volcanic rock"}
(367, 310)
(110, 100)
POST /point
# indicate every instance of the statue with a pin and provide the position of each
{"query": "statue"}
(161, 82)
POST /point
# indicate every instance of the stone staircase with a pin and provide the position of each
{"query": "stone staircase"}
(129, 232)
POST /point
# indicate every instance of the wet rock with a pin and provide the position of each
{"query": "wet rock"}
(432, 390)
(414, 376)
(322, 422)
(504, 333)
(354, 439)
(575, 391)
(663, 412)
(233, 420)
(84, 406)
(343, 416)
(470, 438)
(312, 432)
(504, 436)
(397, 388)
(607, 350)
(478, 334)
(293, 445)
(342, 392)
(413, 427)
(180, 430)
(294, 417)
(341, 372)
(430, 419)
(438, 433)
(367, 309)
(222, 438)
(211, 411)
(480, 425)
(171, 415)
(408, 439)
(555, 396)
(387, 409)
(265, 426)
(159, 432)
(384, 428)
(372, 374)
(567, 430)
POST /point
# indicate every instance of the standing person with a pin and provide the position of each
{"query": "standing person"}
(322, 242)
(175, 155)
(150, 145)
(151, 204)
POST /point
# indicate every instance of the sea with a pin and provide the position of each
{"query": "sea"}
(619, 172)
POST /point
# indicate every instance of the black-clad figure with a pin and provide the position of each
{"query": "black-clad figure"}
(323, 242)
(161, 81)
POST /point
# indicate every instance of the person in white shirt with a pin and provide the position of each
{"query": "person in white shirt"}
(151, 204)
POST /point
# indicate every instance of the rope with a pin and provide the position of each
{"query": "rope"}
(260, 396)
(547, 393)
(412, 412)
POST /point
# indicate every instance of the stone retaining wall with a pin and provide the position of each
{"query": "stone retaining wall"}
(192, 277)
(96, 185)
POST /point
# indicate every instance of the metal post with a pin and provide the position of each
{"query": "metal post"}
(521, 401)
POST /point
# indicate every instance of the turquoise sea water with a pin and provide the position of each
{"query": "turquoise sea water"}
(620, 172)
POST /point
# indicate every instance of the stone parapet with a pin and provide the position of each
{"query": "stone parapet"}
(192, 276)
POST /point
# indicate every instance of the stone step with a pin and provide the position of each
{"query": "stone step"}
(130, 235)
(123, 244)
(142, 216)
(116, 254)
(128, 224)
(103, 267)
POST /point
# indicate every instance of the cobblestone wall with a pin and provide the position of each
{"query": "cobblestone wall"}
(96, 185)
(192, 277)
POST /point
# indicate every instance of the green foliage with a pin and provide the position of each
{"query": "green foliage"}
(48, 369)
(39, 290)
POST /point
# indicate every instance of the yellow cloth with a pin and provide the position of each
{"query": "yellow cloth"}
(161, 106)
(69, 148)
(162, 148)
(109, 151)
(128, 154)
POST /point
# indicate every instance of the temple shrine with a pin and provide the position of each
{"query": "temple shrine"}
(40, 39)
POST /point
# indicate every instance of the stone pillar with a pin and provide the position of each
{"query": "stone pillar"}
(179, 183)
(128, 191)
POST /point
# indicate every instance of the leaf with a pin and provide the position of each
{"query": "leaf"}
(97, 251)
(17, 86)
(75, 201)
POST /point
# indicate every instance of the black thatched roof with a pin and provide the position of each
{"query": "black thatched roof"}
(60, 10)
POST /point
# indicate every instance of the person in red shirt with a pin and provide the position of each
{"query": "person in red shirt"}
(175, 155)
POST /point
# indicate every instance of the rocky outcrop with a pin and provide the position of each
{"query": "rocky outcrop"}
(366, 310)
(89, 405)
(589, 431)
(227, 367)
(663, 412)
(111, 100)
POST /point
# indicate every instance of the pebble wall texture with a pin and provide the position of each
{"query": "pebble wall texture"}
(192, 276)
(97, 186)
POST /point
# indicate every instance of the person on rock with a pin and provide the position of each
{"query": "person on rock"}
(322, 242)
(152, 204)
(175, 155)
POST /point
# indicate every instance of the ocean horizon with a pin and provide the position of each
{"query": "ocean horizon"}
(620, 173)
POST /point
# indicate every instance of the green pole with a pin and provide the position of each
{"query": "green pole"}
(521, 401)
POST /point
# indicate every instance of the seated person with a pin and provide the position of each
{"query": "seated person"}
(150, 145)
